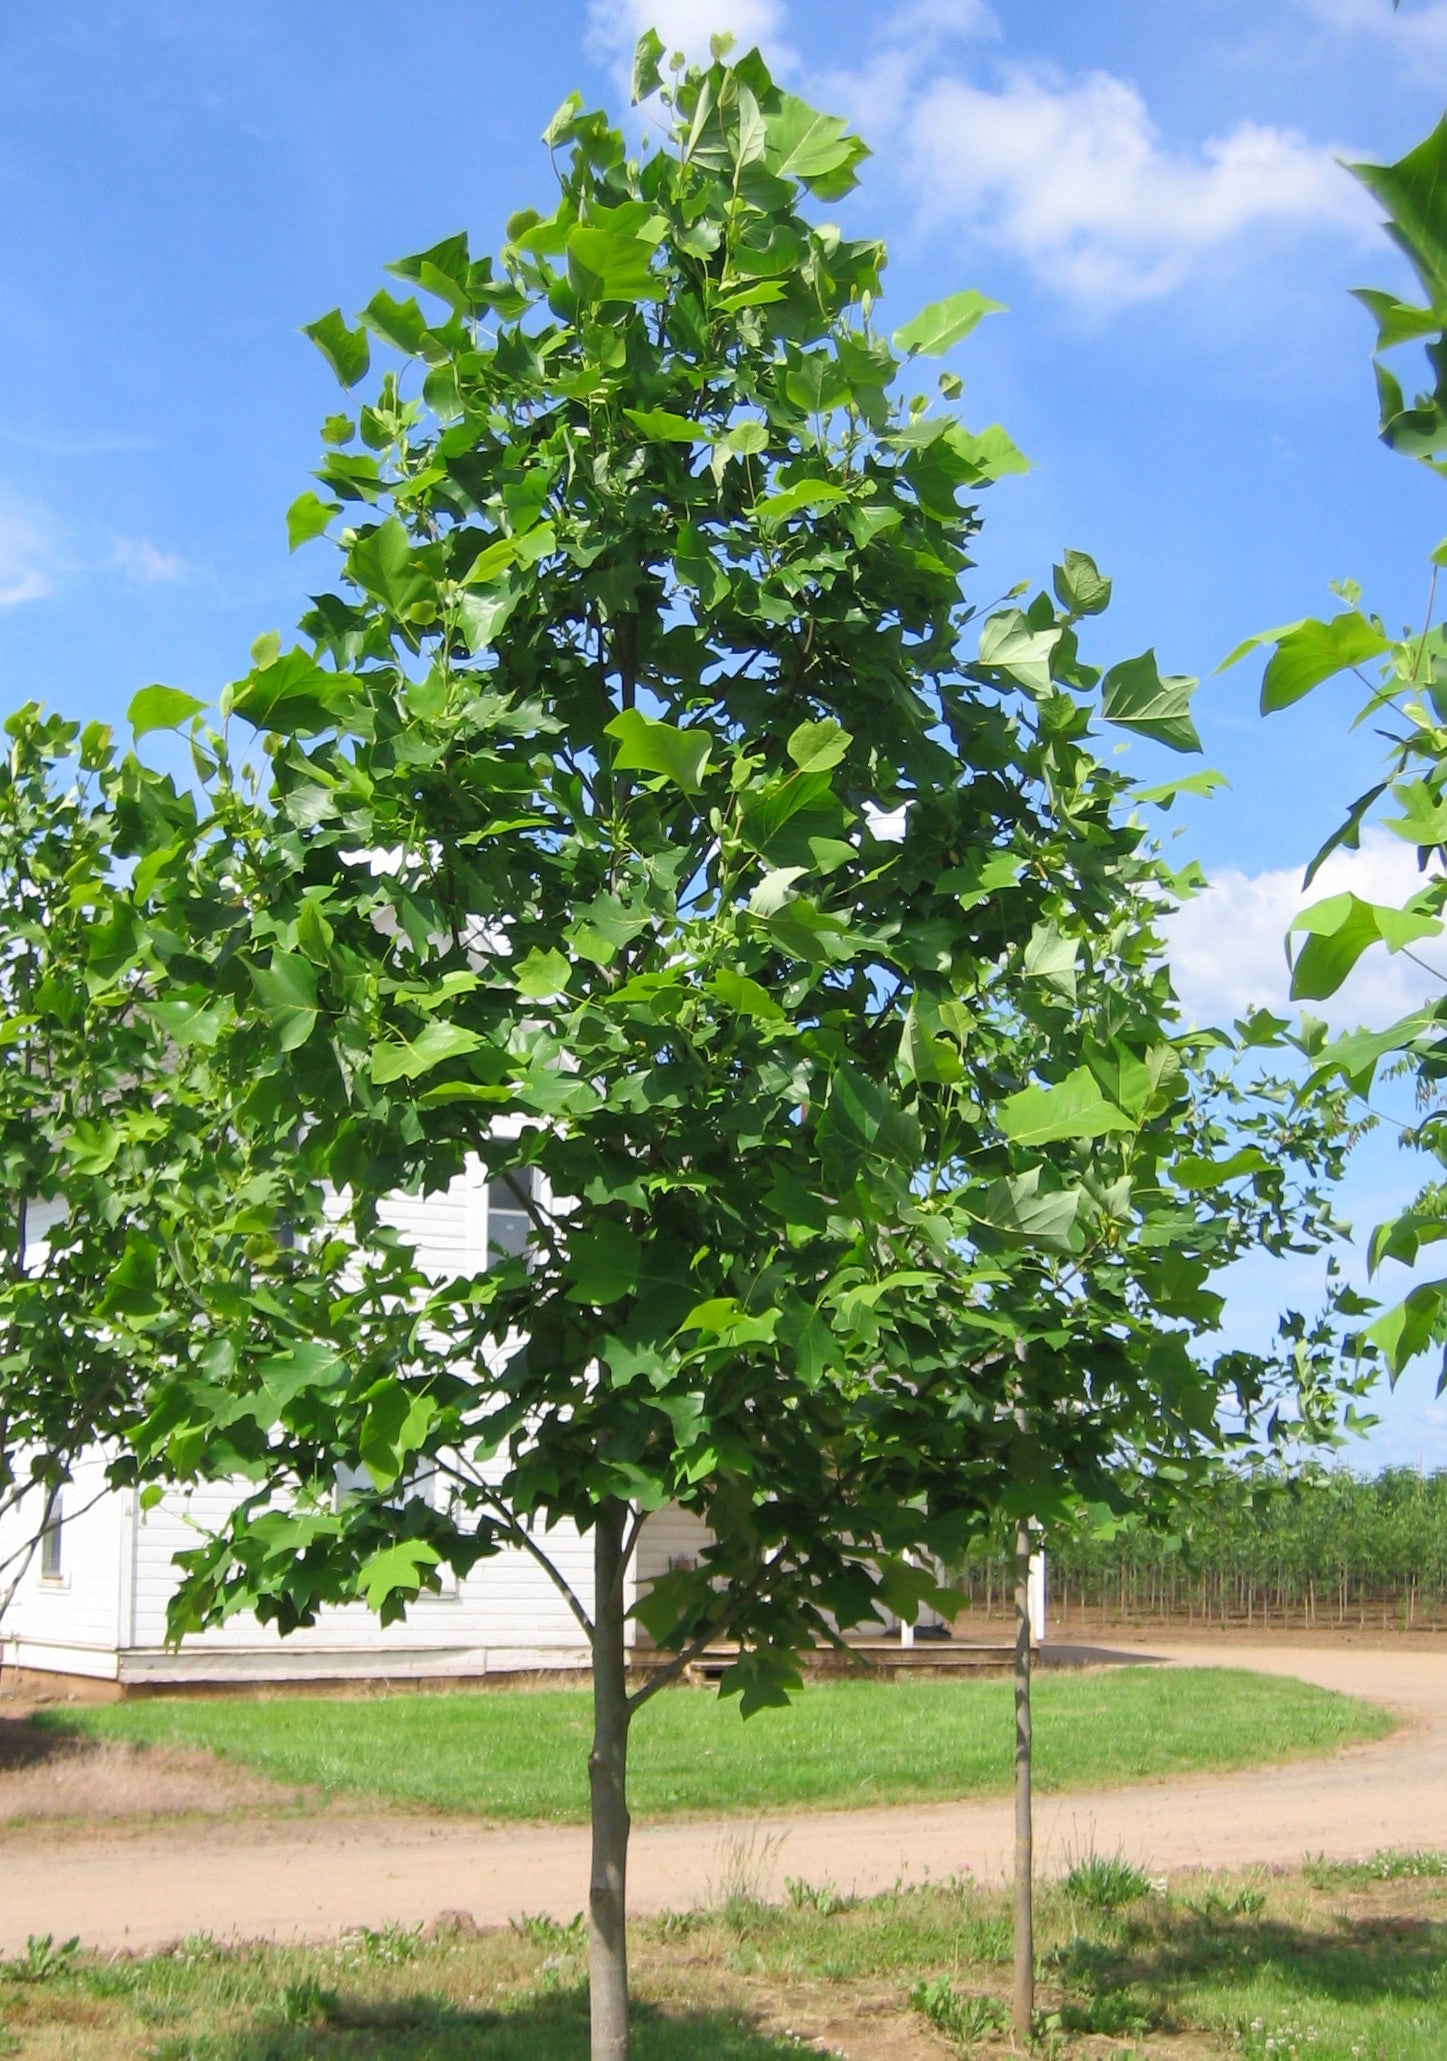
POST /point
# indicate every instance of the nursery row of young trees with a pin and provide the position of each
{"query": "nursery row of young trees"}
(1313, 1546)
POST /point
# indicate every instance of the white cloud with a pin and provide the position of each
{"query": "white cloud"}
(1415, 31)
(145, 566)
(1068, 174)
(27, 556)
(1227, 947)
(1072, 176)
(614, 27)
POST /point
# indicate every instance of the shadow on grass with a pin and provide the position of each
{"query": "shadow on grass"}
(1364, 1961)
(27, 1742)
(553, 2028)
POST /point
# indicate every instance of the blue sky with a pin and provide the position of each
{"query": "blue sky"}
(1152, 190)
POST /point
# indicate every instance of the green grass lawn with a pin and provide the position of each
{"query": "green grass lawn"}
(1333, 1964)
(521, 1755)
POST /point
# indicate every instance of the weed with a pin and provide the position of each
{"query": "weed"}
(41, 1960)
(747, 1864)
(199, 1948)
(1391, 1864)
(821, 1897)
(679, 1924)
(541, 1930)
(389, 1946)
(1114, 2012)
(1220, 1906)
(987, 1939)
(305, 2002)
(959, 2016)
(1106, 1882)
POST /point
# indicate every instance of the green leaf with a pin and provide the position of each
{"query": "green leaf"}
(1413, 191)
(541, 974)
(393, 1430)
(1423, 821)
(944, 323)
(806, 495)
(607, 263)
(1309, 652)
(384, 564)
(398, 323)
(294, 696)
(1080, 585)
(161, 708)
(660, 426)
(308, 517)
(1164, 792)
(1411, 1326)
(482, 617)
(775, 890)
(1192, 1172)
(1017, 1206)
(407, 1059)
(345, 350)
(646, 746)
(1356, 1056)
(1010, 644)
(817, 149)
(1075, 1108)
(815, 747)
(603, 1263)
(1135, 697)
(746, 997)
(287, 991)
(1339, 930)
(647, 78)
(989, 453)
(747, 439)
(396, 1571)
(1397, 322)
(308, 1365)
(1051, 957)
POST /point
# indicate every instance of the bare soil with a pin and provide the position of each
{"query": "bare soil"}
(62, 1779)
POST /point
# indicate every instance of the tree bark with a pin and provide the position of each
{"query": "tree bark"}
(608, 1788)
(1024, 1995)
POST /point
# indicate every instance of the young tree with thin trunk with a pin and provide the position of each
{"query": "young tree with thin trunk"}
(114, 1170)
(636, 783)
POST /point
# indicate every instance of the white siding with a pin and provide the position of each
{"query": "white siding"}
(108, 1612)
(79, 1611)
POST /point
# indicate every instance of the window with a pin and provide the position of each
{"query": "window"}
(50, 1567)
(508, 1222)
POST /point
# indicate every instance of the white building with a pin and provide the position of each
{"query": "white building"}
(93, 1601)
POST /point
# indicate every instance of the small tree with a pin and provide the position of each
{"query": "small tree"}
(634, 784)
(114, 1173)
(1406, 679)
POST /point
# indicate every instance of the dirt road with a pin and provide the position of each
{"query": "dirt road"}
(272, 1874)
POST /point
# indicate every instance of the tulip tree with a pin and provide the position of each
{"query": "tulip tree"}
(643, 817)
(1406, 680)
(118, 1181)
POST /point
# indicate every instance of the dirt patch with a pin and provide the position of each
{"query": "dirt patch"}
(56, 1775)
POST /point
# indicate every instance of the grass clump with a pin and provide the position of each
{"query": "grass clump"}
(1106, 1882)
(960, 2016)
(523, 1755)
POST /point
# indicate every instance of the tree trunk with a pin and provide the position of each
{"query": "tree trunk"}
(608, 1788)
(1024, 2001)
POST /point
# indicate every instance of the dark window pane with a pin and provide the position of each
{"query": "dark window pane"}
(507, 1217)
(50, 1546)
